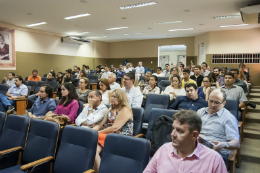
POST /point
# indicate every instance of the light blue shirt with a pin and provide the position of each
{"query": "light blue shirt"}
(135, 97)
(16, 92)
(139, 69)
(40, 108)
(221, 126)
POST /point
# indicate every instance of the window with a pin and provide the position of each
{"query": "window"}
(236, 58)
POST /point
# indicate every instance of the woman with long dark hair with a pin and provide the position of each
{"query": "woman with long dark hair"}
(204, 91)
(98, 72)
(152, 88)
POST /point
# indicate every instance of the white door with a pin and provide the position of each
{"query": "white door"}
(182, 58)
(164, 60)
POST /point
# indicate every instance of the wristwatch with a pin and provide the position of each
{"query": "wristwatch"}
(227, 145)
(90, 109)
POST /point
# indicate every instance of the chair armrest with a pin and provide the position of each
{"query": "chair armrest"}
(89, 171)
(232, 155)
(73, 124)
(139, 135)
(243, 108)
(24, 99)
(240, 123)
(37, 162)
(10, 150)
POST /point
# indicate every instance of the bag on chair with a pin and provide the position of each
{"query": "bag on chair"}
(60, 119)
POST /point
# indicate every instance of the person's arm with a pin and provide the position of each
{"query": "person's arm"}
(73, 111)
(175, 104)
(8, 94)
(52, 106)
(217, 84)
(97, 117)
(97, 127)
(79, 120)
(233, 145)
(207, 93)
(242, 98)
(63, 80)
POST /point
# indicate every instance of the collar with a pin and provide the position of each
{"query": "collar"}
(113, 83)
(224, 86)
(16, 86)
(128, 91)
(196, 152)
(45, 100)
(100, 106)
(219, 113)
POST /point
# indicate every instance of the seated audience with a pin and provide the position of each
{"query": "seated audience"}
(98, 72)
(112, 82)
(104, 89)
(134, 95)
(140, 69)
(77, 71)
(102, 67)
(68, 78)
(145, 82)
(106, 73)
(214, 83)
(224, 70)
(220, 79)
(181, 67)
(10, 80)
(219, 126)
(120, 72)
(241, 76)
(197, 75)
(204, 70)
(184, 153)
(152, 88)
(192, 101)
(59, 78)
(44, 102)
(174, 70)
(204, 91)
(112, 69)
(118, 119)
(86, 69)
(127, 68)
(34, 76)
(186, 78)
(93, 112)
(82, 75)
(16, 91)
(83, 90)
(243, 67)
(175, 89)
(239, 82)
(68, 104)
(192, 70)
(167, 71)
(159, 72)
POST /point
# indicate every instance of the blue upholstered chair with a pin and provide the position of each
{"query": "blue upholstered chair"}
(138, 120)
(3, 89)
(2, 121)
(38, 86)
(162, 78)
(164, 84)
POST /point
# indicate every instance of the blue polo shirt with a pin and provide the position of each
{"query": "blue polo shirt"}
(40, 108)
(120, 74)
(182, 102)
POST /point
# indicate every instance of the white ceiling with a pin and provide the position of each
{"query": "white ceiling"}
(106, 14)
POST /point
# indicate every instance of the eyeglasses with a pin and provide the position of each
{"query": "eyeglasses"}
(205, 81)
(215, 102)
(126, 79)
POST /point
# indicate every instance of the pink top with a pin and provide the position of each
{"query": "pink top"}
(71, 110)
(202, 160)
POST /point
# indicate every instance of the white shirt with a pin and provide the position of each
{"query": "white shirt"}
(139, 69)
(96, 116)
(127, 70)
(191, 73)
(135, 97)
(179, 92)
(105, 99)
(105, 74)
(114, 86)
(159, 75)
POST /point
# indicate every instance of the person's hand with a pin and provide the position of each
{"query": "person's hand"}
(34, 117)
(208, 89)
(11, 97)
(93, 125)
(5, 79)
(38, 94)
(218, 145)
(200, 141)
(173, 93)
(91, 102)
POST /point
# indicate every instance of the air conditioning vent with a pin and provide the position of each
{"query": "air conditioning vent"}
(251, 14)
(75, 40)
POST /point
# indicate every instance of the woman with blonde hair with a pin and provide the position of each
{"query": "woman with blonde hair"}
(118, 119)
(174, 71)
(127, 68)
(242, 76)
(82, 74)
(83, 90)
(104, 89)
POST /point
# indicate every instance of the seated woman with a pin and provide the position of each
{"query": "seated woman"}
(152, 88)
(59, 78)
(203, 92)
(83, 90)
(98, 72)
(82, 75)
(242, 77)
(118, 119)
(215, 83)
(224, 70)
(68, 104)
(104, 89)
(175, 89)
(145, 82)
(174, 71)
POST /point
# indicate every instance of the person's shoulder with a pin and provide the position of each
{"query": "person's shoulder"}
(201, 110)
(23, 86)
(74, 101)
(192, 76)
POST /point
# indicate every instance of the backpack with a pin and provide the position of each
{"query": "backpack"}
(161, 132)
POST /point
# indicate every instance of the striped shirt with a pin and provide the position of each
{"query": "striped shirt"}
(235, 93)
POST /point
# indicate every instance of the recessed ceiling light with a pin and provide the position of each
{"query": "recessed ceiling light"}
(134, 33)
(83, 1)
(124, 18)
(233, 25)
(36, 24)
(97, 37)
(138, 5)
(163, 23)
(201, 24)
(77, 16)
(181, 29)
(223, 17)
(187, 10)
(149, 28)
(80, 33)
(117, 28)
(29, 13)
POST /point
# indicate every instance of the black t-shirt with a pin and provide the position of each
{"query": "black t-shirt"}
(70, 79)
(198, 80)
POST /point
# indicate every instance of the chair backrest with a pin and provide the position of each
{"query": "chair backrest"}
(25, 80)
(164, 83)
(41, 141)
(2, 121)
(28, 93)
(162, 78)
(155, 113)
(3, 89)
(45, 75)
(124, 154)
(44, 78)
(108, 106)
(32, 84)
(80, 107)
(76, 81)
(138, 120)
(155, 101)
(233, 107)
(74, 76)
(78, 148)
(15, 132)
(38, 85)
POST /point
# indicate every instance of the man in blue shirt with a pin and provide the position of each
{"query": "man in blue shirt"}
(44, 103)
(191, 101)
(16, 91)
(120, 73)
(139, 69)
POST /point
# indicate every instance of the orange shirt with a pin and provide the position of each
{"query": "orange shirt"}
(38, 78)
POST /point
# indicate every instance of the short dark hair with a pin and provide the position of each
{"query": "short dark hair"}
(235, 69)
(131, 75)
(69, 71)
(229, 74)
(19, 78)
(12, 73)
(205, 64)
(217, 68)
(84, 66)
(52, 74)
(35, 71)
(155, 78)
(98, 93)
(48, 90)
(87, 66)
(182, 65)
(78, 68)
(186, 70)
(159, 68)
(166, 64)
(190, 117)
(198, 66)
(191, 85)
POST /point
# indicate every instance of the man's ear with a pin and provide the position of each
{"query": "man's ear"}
(195, 135)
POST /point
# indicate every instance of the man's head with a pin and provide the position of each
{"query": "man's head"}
(18, 81)
(174, 66)
(75, 68)
(112, 66)
(129, 79)
(242, 66)
(95, 95)
(159, 70)
(167, 67)
(106, 68)
(197, 69)
(181, 66)
(191, 91)
(235, 72)
(121, 67)
(140, 64)
(84, 67)
(217, 100)
(34, 73)
(192, 68)
(186, 74)
(180, 63)
(11, 75)
(68, 73)
(185, 129)
(204, 66)
(229, 78)
(112, 78)
(78, 69)
(46, 91)
(51, 75)
(216, 71)
(147, 76)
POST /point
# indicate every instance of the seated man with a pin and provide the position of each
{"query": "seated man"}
(34, 76)
(219, 126)
(10, 80)
(197, 76)
(192, 70)
(68, 77)
(106, 73)
(77, 71)
(134, 95)
(167, 71)
(94, 111)
(145, 82)
(239, 82)
(44, 103)
(112, 82)
(120, 73)
(159, 72)
(185, 154)
(140, 69)
(16, 91)
(204, 66)
(219, 78)
(191, 101)
(186, 78)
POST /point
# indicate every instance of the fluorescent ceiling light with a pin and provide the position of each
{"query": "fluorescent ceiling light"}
(81, 33)
(117, 28)
(233, 25)
(36, 24)
(181, 29)
(223, 17)
(137, 5)
(134, 33)
(162, 23)
(77, 16)
(96, 37)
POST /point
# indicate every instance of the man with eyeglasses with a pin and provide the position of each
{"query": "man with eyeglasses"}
(219, 78)
(197, 77)
(167, 72)
(219, 126)
(159, 72)
(191, 101)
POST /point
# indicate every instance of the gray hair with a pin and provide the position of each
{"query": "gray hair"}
(114, 75)
(224, 94)
(98, 93)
